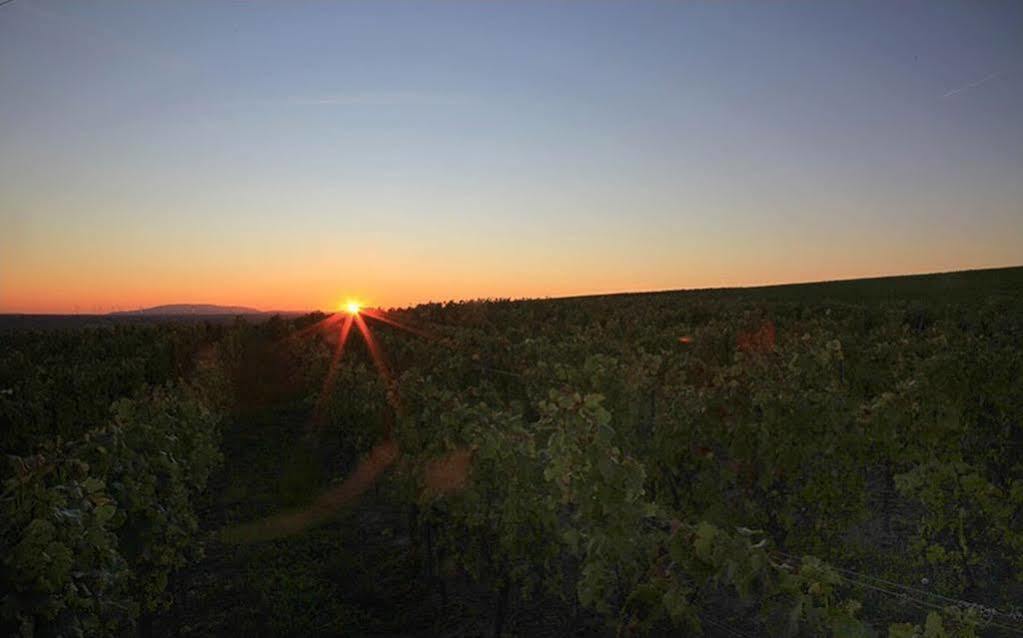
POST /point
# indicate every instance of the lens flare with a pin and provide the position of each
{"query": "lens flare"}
(366, 473)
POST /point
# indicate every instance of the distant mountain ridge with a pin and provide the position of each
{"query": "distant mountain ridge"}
(190, 309)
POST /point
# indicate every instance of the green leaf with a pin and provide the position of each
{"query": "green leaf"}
(903, 630)
(933, 627)
(703, 544)
(106, 512)
(676, 602)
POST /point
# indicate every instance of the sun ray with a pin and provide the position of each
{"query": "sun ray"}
(381, 316)
(328, 382)
(378, 361)
(321, 325)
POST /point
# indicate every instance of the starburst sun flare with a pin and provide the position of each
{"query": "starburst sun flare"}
(352, 307)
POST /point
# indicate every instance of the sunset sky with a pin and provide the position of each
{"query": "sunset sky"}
(289, 155)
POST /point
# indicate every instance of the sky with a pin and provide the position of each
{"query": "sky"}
(291, 155)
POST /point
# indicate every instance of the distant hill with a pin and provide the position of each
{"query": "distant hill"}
(178, 310)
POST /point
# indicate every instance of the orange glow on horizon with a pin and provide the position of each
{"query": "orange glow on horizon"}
(67, 286)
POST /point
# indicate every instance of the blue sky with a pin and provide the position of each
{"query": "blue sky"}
(287, 154)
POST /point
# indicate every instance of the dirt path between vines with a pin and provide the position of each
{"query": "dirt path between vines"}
(356, 574)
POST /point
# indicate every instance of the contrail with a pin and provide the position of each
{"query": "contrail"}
(971, 86)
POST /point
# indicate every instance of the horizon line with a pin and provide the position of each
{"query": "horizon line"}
(256, 311)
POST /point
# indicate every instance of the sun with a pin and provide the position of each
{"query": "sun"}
(352, 307)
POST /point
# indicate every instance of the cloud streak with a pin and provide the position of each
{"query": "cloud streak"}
(974, 85)
(391, 98)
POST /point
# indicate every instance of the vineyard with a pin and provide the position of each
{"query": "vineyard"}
(838, 459)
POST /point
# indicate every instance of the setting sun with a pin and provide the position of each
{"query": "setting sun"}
(352, 307)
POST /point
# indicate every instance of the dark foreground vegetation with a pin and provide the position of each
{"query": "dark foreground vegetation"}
(837, 459)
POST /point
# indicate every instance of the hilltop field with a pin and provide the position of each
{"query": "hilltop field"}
(832, 459)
